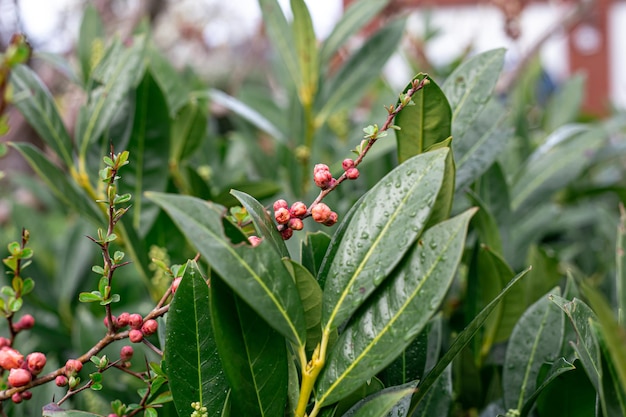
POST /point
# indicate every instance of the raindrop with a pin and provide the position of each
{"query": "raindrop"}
(378, 279)
(398, 184)
(412, 213)
(365, 235)
(433, 245)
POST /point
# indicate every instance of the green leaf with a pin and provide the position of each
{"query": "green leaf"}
(438, 400)
(256, 274)
(397, 312)
(460, 342)
(253, 355)
(564, 105)
(34, 101)
(536, 339)
(193, 365)
(15, 304)
(89, 297)
(53, 410)
(557, 368)
(426, 123)
(355, 17)
(469, 88)
(170, 82)
(443, 204)
(562, 158)
(66, 191)
(620, 268)
(306, 50)
(259, 189)
(118, 72)
(382, 403)
(90, 41)
(188, 129)
(27, 286)
(149, 147)
(347, 87)
(279, 33)
(312, 250)
(570, 395)
(262, 221)
(385, 223)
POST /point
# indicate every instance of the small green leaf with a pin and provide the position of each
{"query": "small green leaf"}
(150, 412)
(97, 269)
(121, 199)
(14, 248)
(15, 304)
(27, 286)
(8, 291)
(88, 297)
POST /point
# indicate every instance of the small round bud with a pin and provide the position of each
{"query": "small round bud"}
(176, 283)
(320, 168)
(135, 320)
(10, 358)
(347, 164)
(322, 179)
(278, 204)
(126, 353)
(282, 215)
(296, 224)
(149, 327)
(19, 377)
(16, 398)
(4, 342)
(35, 362)
(27, 395)
(72, 367)
(352, 173)
(60, 381)
(26, 322)
(123, 319)
(135, 336)
(106, 321)
(320, 212)
(255, 240)
(298, 209)
(332, 219)
(286, 233)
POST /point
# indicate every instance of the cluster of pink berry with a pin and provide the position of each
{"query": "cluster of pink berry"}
(70, 371)
(290, 218)
(21, 371)
(138, 327)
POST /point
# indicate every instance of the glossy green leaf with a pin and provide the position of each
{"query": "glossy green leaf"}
(469, 88)
(256, 274)
(90, 41)
(170, 82)
(253, 355)
(193, 364)
(439, 399)
(149, 147)
(443, 204)
(355, 17)
(460, 342)
(346, 88)
(561, 159)
(564, 105)
(279, 33)
(557, 368)
(536, 339)
(116, 74)
(385, 223)
(306, 50)
(397, 312)
(311, 296)
(34, 101)
(312, 250)
(247, 113)
(188, 129)
(486, 226)
(620, 268)
(426, 123)
(53, 410)
(485, 140)
(570, 395)
(265, 226)
(57, 181)
(382, 403)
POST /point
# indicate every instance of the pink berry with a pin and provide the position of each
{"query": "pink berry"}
(72, 367)
(286, 233)
(36, 361)
(106, 321)
(320, 212)
(278, 204)
(126, 353)
(10, 358)
(60, 381)
(322, 179)
(352, 173)
(26, 322)
(347, 164)
(176, 283)
(135, 320)
(282, 215)
(149, 327)
(332, 219)
(16, 398)
(298, 209)
(4, 342)
(255, 240)
(135, 336)
(27, 395)
(320, 168)
(123, 319)
(19, 377)
(296, 224)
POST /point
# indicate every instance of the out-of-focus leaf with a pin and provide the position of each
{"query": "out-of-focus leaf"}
(253, 355)
(357, 15)
(188, 129)
(257, 189)
(387, 221)
(306, 51)
(312, 250)
(620, 268)
(536, 339)
(469, 88)
(397, 312)
(170, 82)
(53, 410)
(426, 123)
(384, 403)
(34, 101)
(59, 63)
(353, 79)
(193, 365)
(256, 274)
(544, 275)
(564, 106)
(90, 41)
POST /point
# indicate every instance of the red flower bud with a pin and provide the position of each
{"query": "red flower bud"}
(135, 320)
(10, 358)
(255, 240)
(16, 398)
(26, 322)
(135, 336)
(123, 319)
(72, 367)
(61, 381)
(332, 219)
(149, 327)
(298, 209)
(347, 164)
(19, 377)
(126, 353)
(282, 215)
(320, 168)
(322, 179)
(4, 342)
(352, 173)
(278, 204)
(286, 233)
(320, 212)
(36, 361)
(27, 395)
(296, 224)
(176, 283)
(106, 321)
